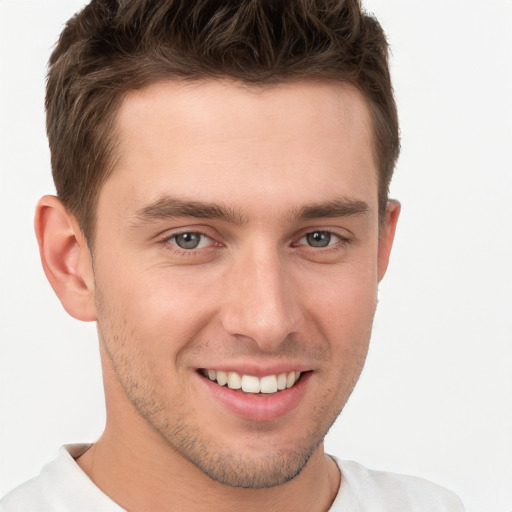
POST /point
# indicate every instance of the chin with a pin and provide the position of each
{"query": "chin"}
(246, 472)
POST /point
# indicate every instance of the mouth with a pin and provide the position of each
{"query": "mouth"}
(251, 384)
(259, 398)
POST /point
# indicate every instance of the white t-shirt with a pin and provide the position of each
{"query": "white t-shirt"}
(63, 486)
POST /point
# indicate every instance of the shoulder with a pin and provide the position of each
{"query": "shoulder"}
(61, 485)
(36, 495)
(380, 491)
(26, 497)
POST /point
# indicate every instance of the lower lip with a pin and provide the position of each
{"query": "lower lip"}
(256, 407)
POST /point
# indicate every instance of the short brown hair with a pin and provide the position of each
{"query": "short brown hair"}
(114, 46)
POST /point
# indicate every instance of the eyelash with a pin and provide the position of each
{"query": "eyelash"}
(341, 240)
(167, 243)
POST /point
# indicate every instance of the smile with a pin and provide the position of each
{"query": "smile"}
(268, 384)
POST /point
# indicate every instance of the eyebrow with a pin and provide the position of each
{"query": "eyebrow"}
(340, 207)
(169, 207)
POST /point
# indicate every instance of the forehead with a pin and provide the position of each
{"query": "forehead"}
(219, 140)
(285, 111)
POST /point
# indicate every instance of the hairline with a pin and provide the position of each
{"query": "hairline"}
(112, 155)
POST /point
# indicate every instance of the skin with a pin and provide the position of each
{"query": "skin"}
(255, 292)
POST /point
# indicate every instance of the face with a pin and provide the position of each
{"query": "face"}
(238, 240)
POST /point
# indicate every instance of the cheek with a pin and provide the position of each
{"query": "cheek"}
(341, 309)
(343, 299)
(157, 312)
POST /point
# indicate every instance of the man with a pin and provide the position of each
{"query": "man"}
(222, 173)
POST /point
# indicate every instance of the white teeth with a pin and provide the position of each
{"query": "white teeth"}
(268, 384)
(234, 380)
(251, 384)
(222, 377)
(281, 381)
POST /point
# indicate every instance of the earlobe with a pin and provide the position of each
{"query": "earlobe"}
(387, 235)
(65, 257)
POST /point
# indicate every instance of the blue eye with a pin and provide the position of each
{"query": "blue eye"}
(320, 239)
(190, 240)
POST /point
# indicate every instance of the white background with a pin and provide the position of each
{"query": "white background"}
(435, 398)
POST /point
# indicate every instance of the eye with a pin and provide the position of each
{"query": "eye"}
(319, 239)
(190, 240)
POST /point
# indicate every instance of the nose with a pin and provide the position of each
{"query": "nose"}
(261, 301)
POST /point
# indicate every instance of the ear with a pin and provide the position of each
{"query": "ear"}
(66, 258)
(386, 236)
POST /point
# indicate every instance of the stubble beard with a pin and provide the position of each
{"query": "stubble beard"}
(221, 462)
(240, 470)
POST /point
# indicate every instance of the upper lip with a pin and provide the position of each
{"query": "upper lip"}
(257, 370)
